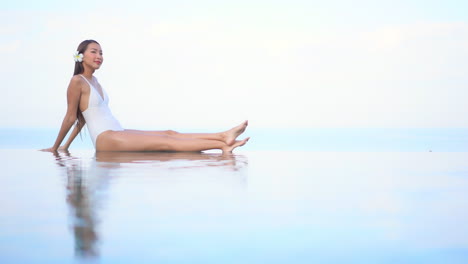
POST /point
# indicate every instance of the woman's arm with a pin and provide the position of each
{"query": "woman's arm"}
(72, 136)
(73, 101)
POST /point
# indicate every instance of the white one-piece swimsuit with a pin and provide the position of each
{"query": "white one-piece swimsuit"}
(98, 116)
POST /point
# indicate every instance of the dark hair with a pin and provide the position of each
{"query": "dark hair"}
(79, 69)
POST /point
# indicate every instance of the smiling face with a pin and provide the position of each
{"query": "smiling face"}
(92, 57)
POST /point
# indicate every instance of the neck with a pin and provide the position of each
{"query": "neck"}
(88, 73)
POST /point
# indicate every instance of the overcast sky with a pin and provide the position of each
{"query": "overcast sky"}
(212, 64)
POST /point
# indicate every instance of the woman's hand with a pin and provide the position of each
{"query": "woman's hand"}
(52, 149)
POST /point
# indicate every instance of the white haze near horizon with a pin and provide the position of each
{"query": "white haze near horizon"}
(280, 64)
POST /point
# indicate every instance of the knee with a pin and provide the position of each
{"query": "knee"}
(171, 132)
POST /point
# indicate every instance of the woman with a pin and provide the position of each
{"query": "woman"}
(88, 103)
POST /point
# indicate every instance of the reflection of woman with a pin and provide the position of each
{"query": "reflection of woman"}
(86, 180)
(88, 103)
(231, 162)
(81, 191)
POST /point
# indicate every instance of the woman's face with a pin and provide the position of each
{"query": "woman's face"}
(93, 56)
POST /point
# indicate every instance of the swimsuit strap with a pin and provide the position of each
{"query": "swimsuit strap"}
(86, 80)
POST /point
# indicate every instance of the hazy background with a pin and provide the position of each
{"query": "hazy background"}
(212, 64)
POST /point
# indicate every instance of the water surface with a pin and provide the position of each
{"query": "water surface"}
(250, 207)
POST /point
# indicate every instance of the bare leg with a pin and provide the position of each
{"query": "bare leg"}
(229, 137)
(132, 141)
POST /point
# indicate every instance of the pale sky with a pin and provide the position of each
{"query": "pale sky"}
(212, 64)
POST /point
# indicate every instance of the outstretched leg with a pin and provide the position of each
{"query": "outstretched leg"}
(131, 141)
(229, 137)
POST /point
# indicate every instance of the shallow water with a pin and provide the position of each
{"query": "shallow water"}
(251, 207)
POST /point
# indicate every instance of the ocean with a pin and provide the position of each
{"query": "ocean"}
(320, 139)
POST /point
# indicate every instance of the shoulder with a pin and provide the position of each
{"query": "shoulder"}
(76, 83)
(77, 86)
(76, 79)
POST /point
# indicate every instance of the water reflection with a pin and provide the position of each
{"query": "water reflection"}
(88, 180)
(196, 159)
(80, 192)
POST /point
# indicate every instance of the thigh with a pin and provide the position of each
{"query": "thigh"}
(151, 132)
(131, 141)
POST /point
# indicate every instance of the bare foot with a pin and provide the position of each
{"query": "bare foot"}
(231, 135)
(237, 143)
